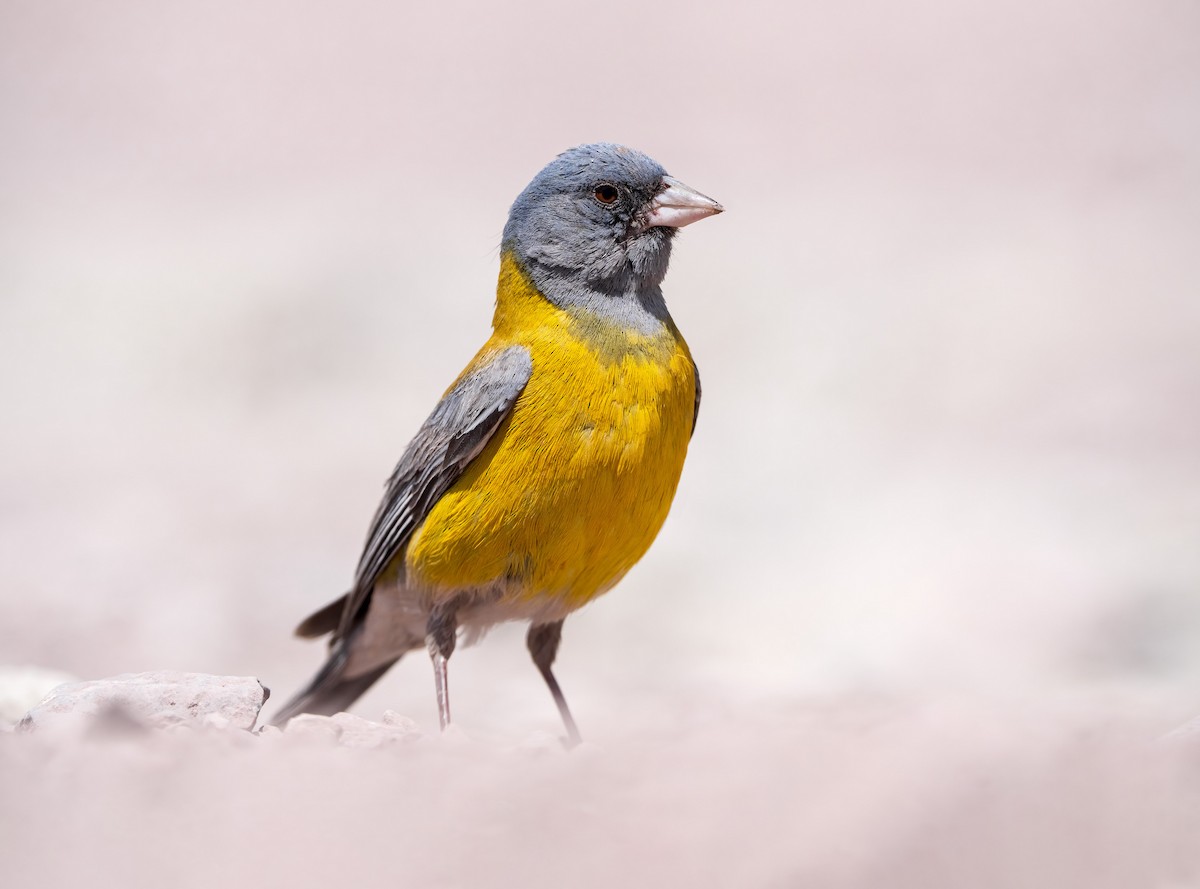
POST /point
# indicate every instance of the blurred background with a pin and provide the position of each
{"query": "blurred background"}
(949, 331)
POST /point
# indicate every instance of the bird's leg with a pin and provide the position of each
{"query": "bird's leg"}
(543, 642)
(441, 632)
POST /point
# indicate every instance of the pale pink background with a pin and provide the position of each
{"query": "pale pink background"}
(948, 460)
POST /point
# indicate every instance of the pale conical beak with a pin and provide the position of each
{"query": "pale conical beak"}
(678, 205)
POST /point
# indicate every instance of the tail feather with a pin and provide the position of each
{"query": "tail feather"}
(330, 691)
(324, 620)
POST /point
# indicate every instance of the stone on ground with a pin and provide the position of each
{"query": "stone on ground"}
(153, 700)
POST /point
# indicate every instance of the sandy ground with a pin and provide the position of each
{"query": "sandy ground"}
(830, 793)
(930, 591)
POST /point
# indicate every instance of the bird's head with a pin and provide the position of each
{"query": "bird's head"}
(598, 221)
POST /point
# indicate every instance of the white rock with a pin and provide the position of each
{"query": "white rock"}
(156, 699)
(392, 718)
(349, 730)
(22, 687)
(359, 732)
(312, 727)
(216, 721)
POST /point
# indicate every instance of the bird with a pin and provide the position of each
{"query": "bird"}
(549, 465)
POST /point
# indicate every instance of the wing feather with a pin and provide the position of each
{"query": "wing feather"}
(455, 433)
(696, 409)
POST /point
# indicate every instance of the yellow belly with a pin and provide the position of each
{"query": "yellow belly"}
(577, 482)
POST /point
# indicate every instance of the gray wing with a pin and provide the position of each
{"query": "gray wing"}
(457, 430)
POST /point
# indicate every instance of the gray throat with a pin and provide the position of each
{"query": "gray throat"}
(625, 301)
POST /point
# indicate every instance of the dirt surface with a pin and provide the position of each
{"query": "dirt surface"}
(831, 793)
(930, 590)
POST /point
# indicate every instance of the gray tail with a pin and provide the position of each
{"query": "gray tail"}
(330, 691)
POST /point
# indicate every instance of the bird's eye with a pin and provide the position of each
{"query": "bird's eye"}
(605, 193)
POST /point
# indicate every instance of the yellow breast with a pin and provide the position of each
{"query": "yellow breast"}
(577, 482)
